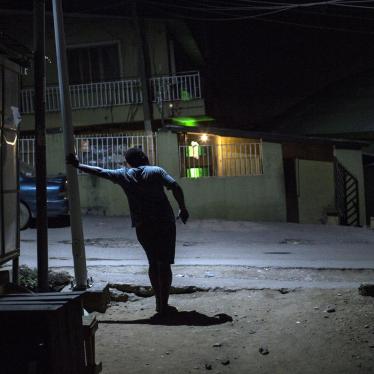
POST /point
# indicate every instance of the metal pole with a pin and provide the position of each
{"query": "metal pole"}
(143, 66)
(79, 254)
(40, 159)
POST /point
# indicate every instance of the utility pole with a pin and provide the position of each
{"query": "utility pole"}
(40, 149)
(143, 67)
(79, 255)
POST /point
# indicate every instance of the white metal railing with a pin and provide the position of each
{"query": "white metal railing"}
(220, 160)
(106, 151)
(184, 86)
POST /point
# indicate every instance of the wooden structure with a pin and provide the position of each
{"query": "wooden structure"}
(45, 334)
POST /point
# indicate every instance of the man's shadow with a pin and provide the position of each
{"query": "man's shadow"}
(191, 318)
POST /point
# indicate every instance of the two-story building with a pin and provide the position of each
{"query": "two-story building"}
(104, 72)
(226, 174)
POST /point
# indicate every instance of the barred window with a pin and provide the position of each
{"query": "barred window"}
(220, 157)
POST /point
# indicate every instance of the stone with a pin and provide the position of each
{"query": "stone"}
(132, 297)
(208, 366)
(225, 362)
(217, 345)
(330, 310)
(366, 289)
(58, 279)
(263, 350)
(116, 295)
(97, 298)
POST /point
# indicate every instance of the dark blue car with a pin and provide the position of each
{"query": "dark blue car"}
(57, 202)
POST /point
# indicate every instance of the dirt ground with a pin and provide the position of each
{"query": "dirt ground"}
(302, 331)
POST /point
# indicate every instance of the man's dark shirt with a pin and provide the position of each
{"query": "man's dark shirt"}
(144, 187)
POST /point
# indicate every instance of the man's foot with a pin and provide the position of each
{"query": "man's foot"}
(169, 309)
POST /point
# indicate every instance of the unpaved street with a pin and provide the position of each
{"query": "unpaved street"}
(291, 291)
(301, 336)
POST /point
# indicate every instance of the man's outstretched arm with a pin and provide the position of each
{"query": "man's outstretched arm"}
(73, 160)
(179, 197)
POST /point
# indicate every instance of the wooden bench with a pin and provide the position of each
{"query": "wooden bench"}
(45, 333)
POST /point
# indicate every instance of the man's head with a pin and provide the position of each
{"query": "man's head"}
(135, 157)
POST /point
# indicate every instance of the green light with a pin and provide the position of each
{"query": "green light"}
(197, 172)
(185, 95)
(186, 121)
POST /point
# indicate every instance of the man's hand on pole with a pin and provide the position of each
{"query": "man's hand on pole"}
(72, 159)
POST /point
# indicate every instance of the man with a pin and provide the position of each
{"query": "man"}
(151, 215)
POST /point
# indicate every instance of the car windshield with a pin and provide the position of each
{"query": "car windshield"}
(26, 170)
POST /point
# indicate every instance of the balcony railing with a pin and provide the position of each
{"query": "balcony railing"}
(180, 87)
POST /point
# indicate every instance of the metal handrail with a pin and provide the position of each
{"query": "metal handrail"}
(179, 87)
(346, 196)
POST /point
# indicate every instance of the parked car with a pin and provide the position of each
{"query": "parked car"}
(57, 202)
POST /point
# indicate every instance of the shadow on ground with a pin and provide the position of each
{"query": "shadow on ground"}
(191, 318)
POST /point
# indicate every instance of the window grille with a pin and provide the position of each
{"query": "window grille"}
(106, 151)
(220, 160)
(27, 151)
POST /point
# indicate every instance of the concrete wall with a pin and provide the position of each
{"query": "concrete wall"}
(352, 161)
(82, 31)
(316, 191)
(112, 115)
(260, 198)
(257, 198)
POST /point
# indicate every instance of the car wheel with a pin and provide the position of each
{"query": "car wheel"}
(24, 216)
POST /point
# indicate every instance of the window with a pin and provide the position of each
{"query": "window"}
(96, 63)
(216, 156)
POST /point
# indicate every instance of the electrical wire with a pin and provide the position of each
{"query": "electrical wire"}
(309, 26)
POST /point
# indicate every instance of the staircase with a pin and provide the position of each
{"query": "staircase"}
(346, 196)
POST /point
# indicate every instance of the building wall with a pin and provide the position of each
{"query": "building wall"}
(257, 198)
(81, 31)
(91, 31)
(111, 115)
(352, 161)
(316, 192)
(260, 198)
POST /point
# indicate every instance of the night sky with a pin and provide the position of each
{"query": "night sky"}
(265, 68)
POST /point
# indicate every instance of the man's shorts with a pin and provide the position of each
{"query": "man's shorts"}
(158, 241)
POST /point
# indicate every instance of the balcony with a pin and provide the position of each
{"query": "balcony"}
(180, 87)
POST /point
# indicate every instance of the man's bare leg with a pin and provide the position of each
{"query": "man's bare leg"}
(161, 276)
(153, 277)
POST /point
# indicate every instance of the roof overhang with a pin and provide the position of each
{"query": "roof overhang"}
(269, 136)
